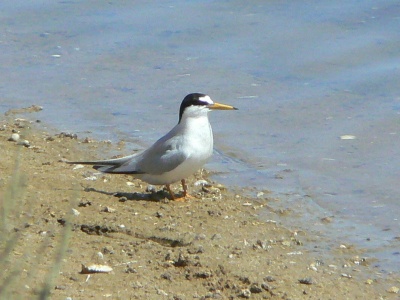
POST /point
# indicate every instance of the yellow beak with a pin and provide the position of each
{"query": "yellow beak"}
(221, 106)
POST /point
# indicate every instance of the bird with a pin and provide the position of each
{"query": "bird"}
(176, 155)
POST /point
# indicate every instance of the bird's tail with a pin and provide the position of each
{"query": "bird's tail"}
(109, 165)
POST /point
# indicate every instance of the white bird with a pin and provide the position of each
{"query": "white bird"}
(178, 154)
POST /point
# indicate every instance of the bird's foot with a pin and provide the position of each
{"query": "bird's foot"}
(184, 196)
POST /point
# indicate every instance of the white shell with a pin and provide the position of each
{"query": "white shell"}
(95, 269)
(347, 137)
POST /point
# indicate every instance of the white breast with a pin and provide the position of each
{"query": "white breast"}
(196, 143)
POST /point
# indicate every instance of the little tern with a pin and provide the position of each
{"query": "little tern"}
(175, 156)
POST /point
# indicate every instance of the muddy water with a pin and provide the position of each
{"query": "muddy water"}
(303, 74)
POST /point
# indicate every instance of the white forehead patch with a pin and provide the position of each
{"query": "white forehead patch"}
(206, 99)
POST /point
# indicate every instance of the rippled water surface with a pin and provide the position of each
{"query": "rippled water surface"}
(303, 74)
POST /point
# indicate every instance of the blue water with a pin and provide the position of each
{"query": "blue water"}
(303, 73)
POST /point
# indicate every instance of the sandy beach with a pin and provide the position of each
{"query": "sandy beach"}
(134, 243)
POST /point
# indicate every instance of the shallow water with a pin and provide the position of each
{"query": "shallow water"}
(302, 74)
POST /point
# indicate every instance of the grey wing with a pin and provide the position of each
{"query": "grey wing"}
(162, 157)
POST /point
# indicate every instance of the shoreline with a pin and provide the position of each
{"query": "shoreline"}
(212, 246)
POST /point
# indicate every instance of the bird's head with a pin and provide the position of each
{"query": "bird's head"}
(196, 104)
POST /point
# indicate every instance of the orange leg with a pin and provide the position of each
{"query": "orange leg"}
(170, 191)
(184, 185)
(185, 190)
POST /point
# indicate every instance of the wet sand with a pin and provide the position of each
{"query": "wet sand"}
(214, 245)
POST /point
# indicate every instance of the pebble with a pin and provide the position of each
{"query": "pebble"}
(295, 253)
(369, 281)
(75, 212)
(60, 287)
(95, 269)
(307, 280)
(314, 268)
(123, 199)
(200, 237)
(255, 288)
(347, 137)
(161, 292)
(216, 236)
(67, 134)
(14, 137)
(151, 189)
(245, 293)
(393, 290)
(201, 182)
(24, 143)
(108, 209)
(269, 279)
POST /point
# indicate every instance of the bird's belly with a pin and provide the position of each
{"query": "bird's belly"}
(184, 170)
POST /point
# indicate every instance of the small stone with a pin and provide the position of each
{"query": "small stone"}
(196, 250)
(203, 275)
(87, 140)
(269, 279)
(14, 137)
(75, 212)
(266, 287)
(255, 288)
(123, 199)
(200, 237)
(182, 261)
(166, 276)
(68, 135)
(95, 269)
(24, 143)
(129, 270)
(260, 194)
(202, 182)
(84, 203)
(393, 290)
(307, 280)
(369, 281)
(216, 236)
(161, 292)
(108, 209)
(326, 220)
(245, 293)
(151, 189)
(210, 190)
